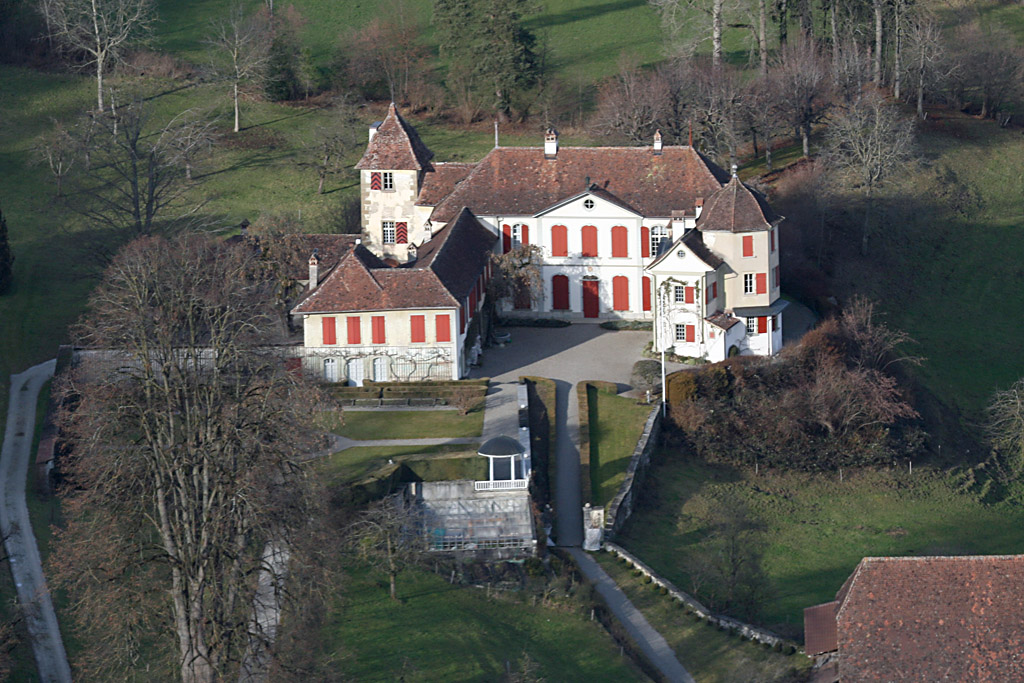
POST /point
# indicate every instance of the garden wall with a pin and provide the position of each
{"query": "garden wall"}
(622, 504)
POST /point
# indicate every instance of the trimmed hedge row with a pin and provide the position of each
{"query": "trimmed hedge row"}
(543, 433)
(583, 390)
(432, 389)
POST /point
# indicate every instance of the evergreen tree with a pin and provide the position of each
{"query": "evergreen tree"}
(6, 258)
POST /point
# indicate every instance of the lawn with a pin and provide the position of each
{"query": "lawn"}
(616, 423)
(354, 464)
(818, 528)
(367, 425)
(441, 632)
(708, 654)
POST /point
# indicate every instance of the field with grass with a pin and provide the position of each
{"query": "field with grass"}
(710, 655)
(366, 425)
(353, 464)
(443, 632)
(616, 423)
(818, 528)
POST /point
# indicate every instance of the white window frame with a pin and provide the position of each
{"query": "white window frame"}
(517, 235)
(658, 233)
(387, 229)
(679, 294)
(681, 333)
(387, 181)
(752, 325)
(749, 284)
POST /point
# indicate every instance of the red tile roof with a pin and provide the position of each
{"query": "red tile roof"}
(820, 627)
(395, 147)
(933, 619)
(521, 181)
(440, 182)
(445, 271)
(737, 208)
(724, 321)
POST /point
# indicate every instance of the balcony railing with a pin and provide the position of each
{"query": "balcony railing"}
(501, 485)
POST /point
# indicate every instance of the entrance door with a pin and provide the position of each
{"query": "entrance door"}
(590, 305)
(355, 372)
(330, 370)
(380, 370)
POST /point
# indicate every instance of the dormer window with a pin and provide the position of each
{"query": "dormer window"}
(387, 181)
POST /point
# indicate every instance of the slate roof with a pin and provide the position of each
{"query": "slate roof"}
(395, 147)
(445, 271)
(737, 208)
(440, 182)
(933, 619)
(521, 181)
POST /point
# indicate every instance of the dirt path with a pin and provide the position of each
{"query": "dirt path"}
(20, 541)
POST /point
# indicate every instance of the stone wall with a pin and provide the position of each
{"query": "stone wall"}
(693, 605)
(622, 504)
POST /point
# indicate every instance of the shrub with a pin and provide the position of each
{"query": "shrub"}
(682, 386)
(615, 325)
(646, 374)
(533, 322)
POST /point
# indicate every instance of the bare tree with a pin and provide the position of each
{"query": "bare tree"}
(870, 141)
(632, 103)
(1005, 426)
(135, 178)
(717, 105)
(57, 151)
(802, 77)
(875, 345)
(851, 70)
(878, 7)
(677, 17)
(760, 109)
(994, 65)
(388, 49)
(99, 29)
(331, 141)
(241, 45)
(187, 432)
(192, 134)
(926, 64)
(389, 535)
(517, 275)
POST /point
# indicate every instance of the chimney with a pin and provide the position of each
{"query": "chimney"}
(698, 206)
(314, 263)
(373, 129)
(550, 143)
(657, 141)
(412, 254)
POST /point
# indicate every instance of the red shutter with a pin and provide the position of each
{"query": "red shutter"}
(353, 329)
(375, 180)
(506, 239)
(714, 289)
(526, 235)
(401, 232)
(559, 241)
(620, 241)
(589, 240)
(377, 329)
(762, 324)
(762, 283)
(691, 333)
(771, 234)
(418, 325)
(620, 293)
(443, 325)
(329, 333)
(645, 242)
(690, 295)
(748, 245)
(560, 293)
(646, 293)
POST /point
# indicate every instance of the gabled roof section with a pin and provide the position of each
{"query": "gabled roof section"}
(932, 619)
(693, 241)
(521, 181)
(595, 191)
(445, 271)
(725, 321)
(395, 147)
(439, 183)
(737, 208)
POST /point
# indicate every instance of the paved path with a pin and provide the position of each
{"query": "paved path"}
(639, 629)
(33, 595)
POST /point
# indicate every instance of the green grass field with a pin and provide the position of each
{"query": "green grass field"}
(441, 632)
(819, 528)
(616, 423)
(353, 464)
(367, 425)
(708, 654)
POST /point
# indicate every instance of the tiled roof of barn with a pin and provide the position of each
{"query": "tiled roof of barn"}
(737, 208)
(521, 181)
(395, 147)
(440, 182)
(933, 619)
(445, 271)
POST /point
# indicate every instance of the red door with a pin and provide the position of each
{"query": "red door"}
(590, 307)
(560, 293)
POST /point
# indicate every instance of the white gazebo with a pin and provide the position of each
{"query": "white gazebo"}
(507, 464)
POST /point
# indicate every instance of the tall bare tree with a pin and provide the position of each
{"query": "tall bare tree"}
(677, 19)
(389, 535)
(803, 77)
(331, 141)
(926, 62)
(632, 103)
(187, 434)
(241, 48)
(100, 29)
(57, 151)
(870, 141)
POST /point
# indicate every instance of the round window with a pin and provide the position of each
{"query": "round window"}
(588, 204)
(681, 254)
